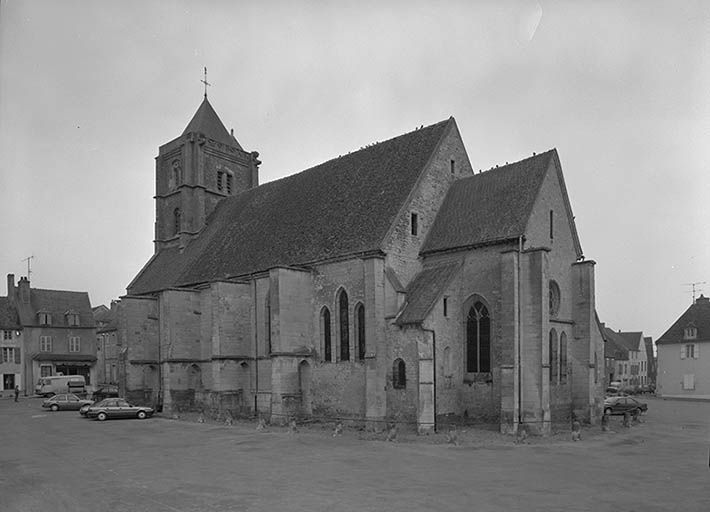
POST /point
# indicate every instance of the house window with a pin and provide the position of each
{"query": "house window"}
(45, 370)
(553, 356)
(45, 343)
(344, 326)
(446, 306)
(690, 333)
(8, 354)
(74, 344)
(72, 319)
(325, 334)
(44, 318)
(415, 224)
(621, 368)
(689, 381)
(399, 374)
(563, 358)
(554, 298)
(360, 330)
(176, 221)
(478, 339)
(688, 351)
(7, 335)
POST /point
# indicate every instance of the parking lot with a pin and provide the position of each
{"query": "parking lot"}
(60, 461)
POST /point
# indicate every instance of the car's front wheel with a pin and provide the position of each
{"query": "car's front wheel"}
(101, 416)
(54, 407)
(607, 411)
(141, 415)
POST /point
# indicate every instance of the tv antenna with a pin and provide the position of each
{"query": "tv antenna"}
(696, 287)
(28, 259)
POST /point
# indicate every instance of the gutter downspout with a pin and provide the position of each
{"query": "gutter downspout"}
(520, 337)
(433, 355)
(256, 352)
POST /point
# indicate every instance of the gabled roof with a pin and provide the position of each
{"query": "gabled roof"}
(208, 122)
(698, 314)
(631, 340)
(424, 290)
(9, 318)
(491, 206)
(615, 346)
(648, 342)
(57, 303)
(339, 208)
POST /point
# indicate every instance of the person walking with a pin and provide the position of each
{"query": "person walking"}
(17, 392)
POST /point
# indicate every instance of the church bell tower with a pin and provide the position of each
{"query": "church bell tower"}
(194, 172)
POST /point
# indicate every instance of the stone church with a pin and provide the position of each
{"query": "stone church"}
(393, 283)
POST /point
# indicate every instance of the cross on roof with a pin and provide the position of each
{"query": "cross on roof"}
(204, 81)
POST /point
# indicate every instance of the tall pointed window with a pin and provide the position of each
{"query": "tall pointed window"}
(360, 330)
(563, 358)
(478, 339)
(553, 356)
(343, 326)
(399, 374)
(325, 334)
(176, 221)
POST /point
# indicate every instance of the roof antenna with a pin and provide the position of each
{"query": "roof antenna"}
(29, 271)
(686, 284)
(204, 81)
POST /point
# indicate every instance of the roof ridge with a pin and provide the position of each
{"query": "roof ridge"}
(535, 155)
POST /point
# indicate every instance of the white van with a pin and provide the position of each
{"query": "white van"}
(48, 386)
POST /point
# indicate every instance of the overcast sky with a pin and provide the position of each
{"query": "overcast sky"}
(89, 90)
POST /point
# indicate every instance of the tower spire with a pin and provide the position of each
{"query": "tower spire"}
(204, 81)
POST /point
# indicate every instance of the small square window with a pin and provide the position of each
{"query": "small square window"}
(415, 224)
(7, 335)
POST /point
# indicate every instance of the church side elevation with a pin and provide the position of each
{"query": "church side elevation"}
(389, 284)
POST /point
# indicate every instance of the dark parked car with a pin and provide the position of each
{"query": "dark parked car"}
(622, 404)
(117, 408)
(65, 402)
(106, 391)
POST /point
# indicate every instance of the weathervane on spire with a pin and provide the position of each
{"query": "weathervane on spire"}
(204, 81)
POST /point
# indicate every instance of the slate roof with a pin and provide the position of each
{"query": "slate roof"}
(57, 303)
(615, 346)
(698, 314)
(9, 318)
(208, 122)
(630, 339)
(342, 207)
(491, 206)
(424, 290)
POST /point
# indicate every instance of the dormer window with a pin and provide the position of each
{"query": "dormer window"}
(44, 318)
(690, 333)
(72, 318)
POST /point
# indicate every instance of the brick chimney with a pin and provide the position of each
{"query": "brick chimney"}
(24, 285)
(11, 288)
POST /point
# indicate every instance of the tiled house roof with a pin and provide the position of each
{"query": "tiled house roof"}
(57, 303)
(491, 206)
(9, 319)
(424, 290)
(615, 346)
(631, 340)
(698, 315)
(342, 207)
(207, 121)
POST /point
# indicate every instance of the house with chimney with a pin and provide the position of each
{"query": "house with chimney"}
(58, 332)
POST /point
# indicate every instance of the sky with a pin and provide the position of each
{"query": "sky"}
(90, 89)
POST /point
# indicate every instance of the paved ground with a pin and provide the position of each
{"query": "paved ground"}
(61, 462)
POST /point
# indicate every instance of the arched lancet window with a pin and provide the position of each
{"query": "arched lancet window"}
(360, 330)
(563, 358)
(478, 339)
(267, 320)
(325, 334)
(554, 361)
(343, 326)
(399, 374)
(176, 221)
(177, 173)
